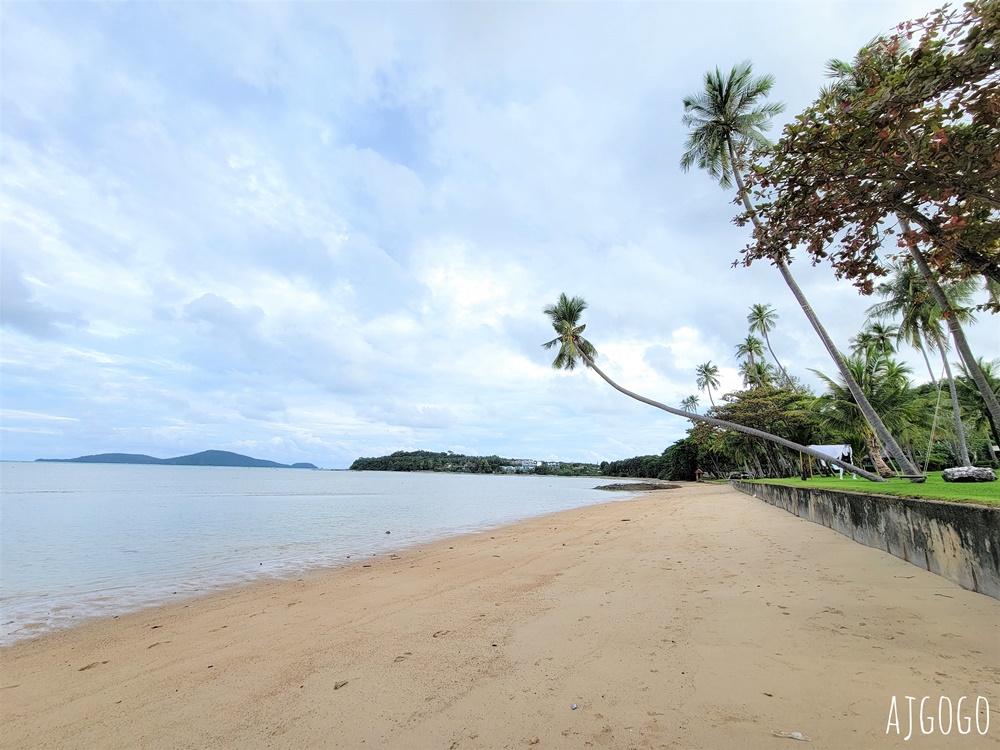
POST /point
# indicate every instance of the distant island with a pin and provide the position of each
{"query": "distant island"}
(205, 458)
(459, 464)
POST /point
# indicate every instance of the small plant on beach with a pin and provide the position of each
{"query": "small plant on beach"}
(574, 348)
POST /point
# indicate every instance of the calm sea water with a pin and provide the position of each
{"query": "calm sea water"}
(85, 540)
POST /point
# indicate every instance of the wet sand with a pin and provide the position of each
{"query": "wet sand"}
(689, 618)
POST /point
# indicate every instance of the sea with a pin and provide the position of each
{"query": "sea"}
(79, 541)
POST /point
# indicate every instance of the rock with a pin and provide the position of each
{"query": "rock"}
(969, 474)
(638, 486)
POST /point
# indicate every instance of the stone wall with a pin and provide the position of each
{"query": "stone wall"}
(958, 541)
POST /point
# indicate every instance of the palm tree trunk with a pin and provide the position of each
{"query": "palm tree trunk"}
(963, 449)
(875, 451)
(731, 425)
(927, 361)
(954, 327)
(930, 440)
(859, 397)
(780, 366)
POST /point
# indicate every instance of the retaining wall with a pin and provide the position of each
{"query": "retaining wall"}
(957, 541)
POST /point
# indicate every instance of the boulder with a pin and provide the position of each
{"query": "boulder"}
(969, 474)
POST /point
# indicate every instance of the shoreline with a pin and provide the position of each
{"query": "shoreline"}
(39, 601)
(694, 617)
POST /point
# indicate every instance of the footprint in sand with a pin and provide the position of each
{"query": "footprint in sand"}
(403, 657)
(440, 633)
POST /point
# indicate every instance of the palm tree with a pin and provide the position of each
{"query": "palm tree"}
(762, 320)
(878, 335)
(757, 374)
(990, 400)
(708, 378)
(908, 295)
(969, 393)
(727, 119)
(565, 318)
(885, 383)
(751, 348)
(690, 404)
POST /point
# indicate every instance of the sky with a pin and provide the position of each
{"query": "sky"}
(309, 232)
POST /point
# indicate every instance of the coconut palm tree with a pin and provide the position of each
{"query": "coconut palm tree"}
(885, 383)
(726, 119)
(878, 335)
(908, 296)
(574, 348)
(762, 320)
(708, 378)
(751, 347)
(969, 393)
(690, 404)
(757, 374)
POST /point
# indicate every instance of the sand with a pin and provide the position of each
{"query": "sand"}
(689, 618)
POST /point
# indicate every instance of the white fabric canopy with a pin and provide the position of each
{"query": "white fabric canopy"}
(842, 452)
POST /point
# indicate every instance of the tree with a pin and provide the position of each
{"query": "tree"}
(573, 347)
(726, 121)
(908, 296)
(969, 393)
(751, 347)
(690, 404)
(886, 385)
(762, 320)
(950, 81)
(878, 335)
(757, 374)
(785, 412)
(905, 131)
(708, 378)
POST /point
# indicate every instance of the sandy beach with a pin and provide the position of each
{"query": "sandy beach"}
(689, 618)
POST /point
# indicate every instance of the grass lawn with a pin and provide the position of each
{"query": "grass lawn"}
(935, 488)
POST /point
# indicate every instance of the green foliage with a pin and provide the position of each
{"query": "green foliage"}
(637, 467)
(428, 461)
(681, 461)
(785, 412)
(905, 132)
(460, 464)
(885, 384)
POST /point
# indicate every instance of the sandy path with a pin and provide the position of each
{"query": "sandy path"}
(706, 620)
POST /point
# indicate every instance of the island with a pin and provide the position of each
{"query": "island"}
(461, 464)
(205, 458)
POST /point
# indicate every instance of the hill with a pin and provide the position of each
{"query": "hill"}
(205, 458)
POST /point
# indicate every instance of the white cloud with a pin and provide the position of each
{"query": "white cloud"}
(314, 231)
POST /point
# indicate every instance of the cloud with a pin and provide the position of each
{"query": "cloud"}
(314, 231)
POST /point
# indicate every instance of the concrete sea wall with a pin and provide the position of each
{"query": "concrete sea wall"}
(957, 541)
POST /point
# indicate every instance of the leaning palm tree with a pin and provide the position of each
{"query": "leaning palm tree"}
(726, 119)
(573, 348)
(708, 378)
(908, 296)
(762, 320)
(690, 404)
